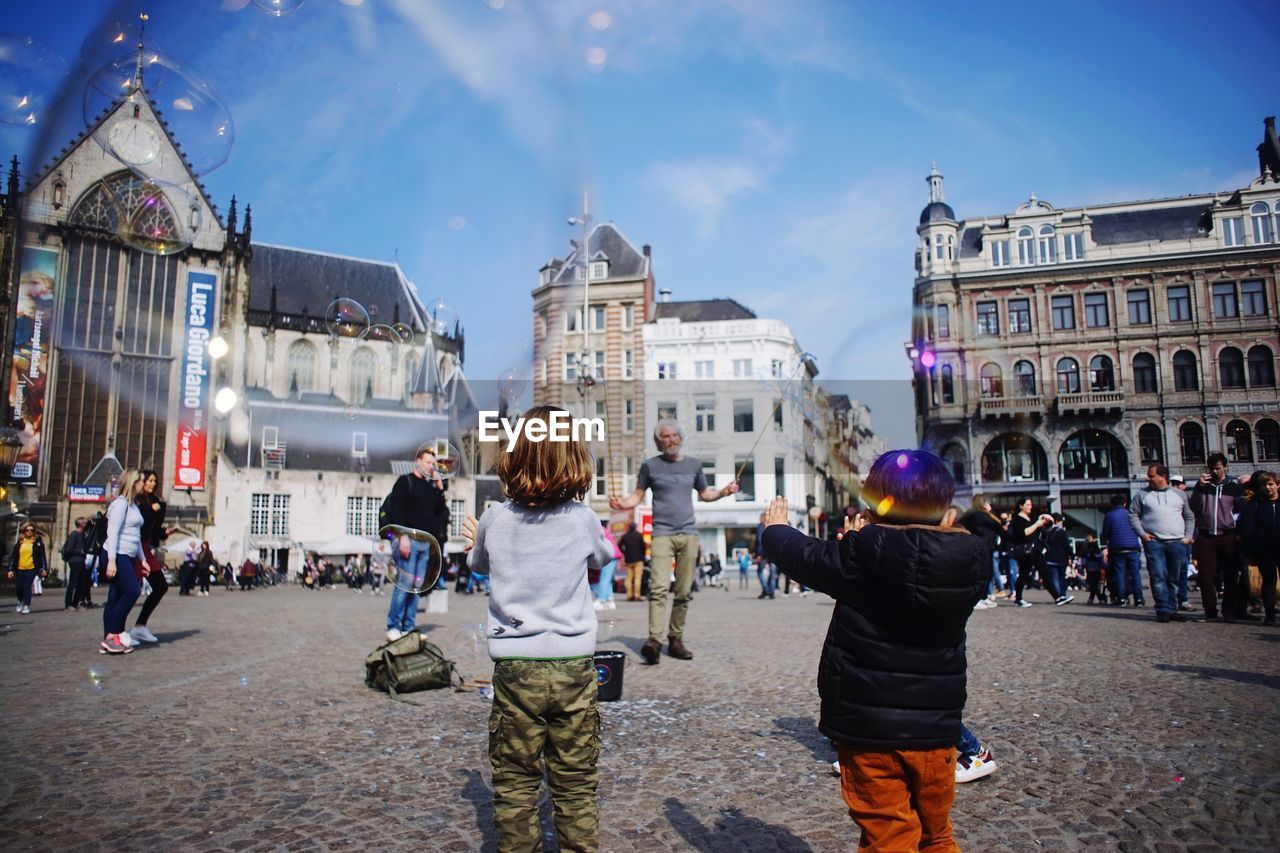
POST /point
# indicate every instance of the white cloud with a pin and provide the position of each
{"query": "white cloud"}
(706, 186)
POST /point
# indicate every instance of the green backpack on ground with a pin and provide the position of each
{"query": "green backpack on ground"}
(408, 665)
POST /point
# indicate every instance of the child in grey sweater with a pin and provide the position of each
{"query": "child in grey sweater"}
(537, 548)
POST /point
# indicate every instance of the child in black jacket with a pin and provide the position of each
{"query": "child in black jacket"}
(892, 673)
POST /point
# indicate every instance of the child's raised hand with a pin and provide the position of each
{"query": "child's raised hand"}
(776, 513)
(469, 525)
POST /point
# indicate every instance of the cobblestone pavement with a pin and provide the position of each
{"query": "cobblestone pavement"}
(249, 728)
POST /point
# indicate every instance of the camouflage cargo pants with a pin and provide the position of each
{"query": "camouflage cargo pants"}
(545, 711)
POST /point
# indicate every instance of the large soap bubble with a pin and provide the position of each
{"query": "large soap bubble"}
(346, 318)
(196, 118)
(278, 8)
(31, 75)
(155, 216)
(442, 316)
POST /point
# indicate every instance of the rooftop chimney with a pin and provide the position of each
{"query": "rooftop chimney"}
(664, 295)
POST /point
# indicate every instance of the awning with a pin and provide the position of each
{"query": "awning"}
(348, 544)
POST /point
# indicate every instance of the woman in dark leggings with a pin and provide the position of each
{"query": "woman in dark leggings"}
(1025, 545)
(206, 567)
(123, 548)
(153, 533)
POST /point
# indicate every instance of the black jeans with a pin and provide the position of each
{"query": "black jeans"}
(1095, 589)
(1267, 567)
(1034, 564)
(159, 586)
(75, 568)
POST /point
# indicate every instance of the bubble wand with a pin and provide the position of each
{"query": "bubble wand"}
(806, 359)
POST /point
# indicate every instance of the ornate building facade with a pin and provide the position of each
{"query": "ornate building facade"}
(1057, 352)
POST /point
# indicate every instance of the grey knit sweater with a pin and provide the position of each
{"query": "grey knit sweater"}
(537, 560)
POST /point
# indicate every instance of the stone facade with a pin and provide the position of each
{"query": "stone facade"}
(1056, 352)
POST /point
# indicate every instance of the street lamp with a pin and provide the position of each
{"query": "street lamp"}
(10, 447)
(586, 379)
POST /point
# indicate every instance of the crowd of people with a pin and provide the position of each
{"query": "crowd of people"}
(1215, 532)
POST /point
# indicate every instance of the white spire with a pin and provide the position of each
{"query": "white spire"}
(935, 183)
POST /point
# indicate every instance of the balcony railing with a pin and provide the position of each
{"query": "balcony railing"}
(997, 407)
(1091, 401)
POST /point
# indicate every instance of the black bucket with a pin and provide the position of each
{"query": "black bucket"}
(609, 675)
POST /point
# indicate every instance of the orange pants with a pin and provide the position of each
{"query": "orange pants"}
(901, 800)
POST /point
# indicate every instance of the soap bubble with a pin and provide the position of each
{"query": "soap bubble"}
(109, 41)
(196, 118)
(442, 316)
(470, 636)
(381, 332)
(244, 681)
(278, 8)
(448, 459)
(346, 318)
(511, 383)
(405, 331)
(225, 400)
(31, 75)
(155, 216)
(96, 677)
(425, 576)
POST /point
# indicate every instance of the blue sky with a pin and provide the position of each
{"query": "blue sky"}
(772, 152)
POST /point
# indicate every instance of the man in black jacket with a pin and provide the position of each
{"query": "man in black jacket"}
(416, 505)
(632, 546)
(892, 673)
(73, 555)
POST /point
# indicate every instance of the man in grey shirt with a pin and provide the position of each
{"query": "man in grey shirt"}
(674, 478)
(1163, 520)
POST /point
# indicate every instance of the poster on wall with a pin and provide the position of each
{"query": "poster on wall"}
(190, 451)
(29, 376)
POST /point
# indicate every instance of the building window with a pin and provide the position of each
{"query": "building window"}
(1231, 368)
(598, 355)
(360, 388)
(1180, 304)
(1048, 245)
(1102, 375)
(1224, 300)
(1253, 299)
(780, 476)
(570, 367)
(1267, 437)
(573, 319)
(598, 487)
(747, 479)
(666, 370)
(777, 416)
(1261, 216)
(628, 416)
(457, 515)
(259, 514)
(668, 412)
(599, 269)
(1064, 312)
(704, 369)
(704, 415)
(1026, 246)
(775, 368)
(411, 363)
(628, 316)
(988, 318)
(372, 509)
(1068, 376)
(301, 359)
(355, 517)
(1237, 442)
(742, 368)
(1144, 373)
(948, 385)
(944, 323)
(1024, 378)
(1150, 444)
(1096, 315)
(1139, 307)
(1073, 247)
(359, 444)
(628, 475)
(1013, 457)
(1191, 443)
(1092, 455)
(1262, 367)
(598, 322)
(709, 471)
(999, 253)
(743, 416)
(279, 515)
(628, 365)
(1233, 231)
(1019, 316)
(991, 381)
(1185, 375)
(937, 246)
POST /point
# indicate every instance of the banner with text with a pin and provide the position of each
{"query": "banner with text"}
(30, 373)
(193, 409)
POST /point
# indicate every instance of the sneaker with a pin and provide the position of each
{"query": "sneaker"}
(598, 604)
(1064, 599)
(393, 634)
(835, 768)
(1185, 606)
(112, 645)
(972, 767)
(1024, 603)
(984, 604)
(126, 638)
(140, 632)
(608, 605)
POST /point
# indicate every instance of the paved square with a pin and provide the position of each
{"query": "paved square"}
(249, 728)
